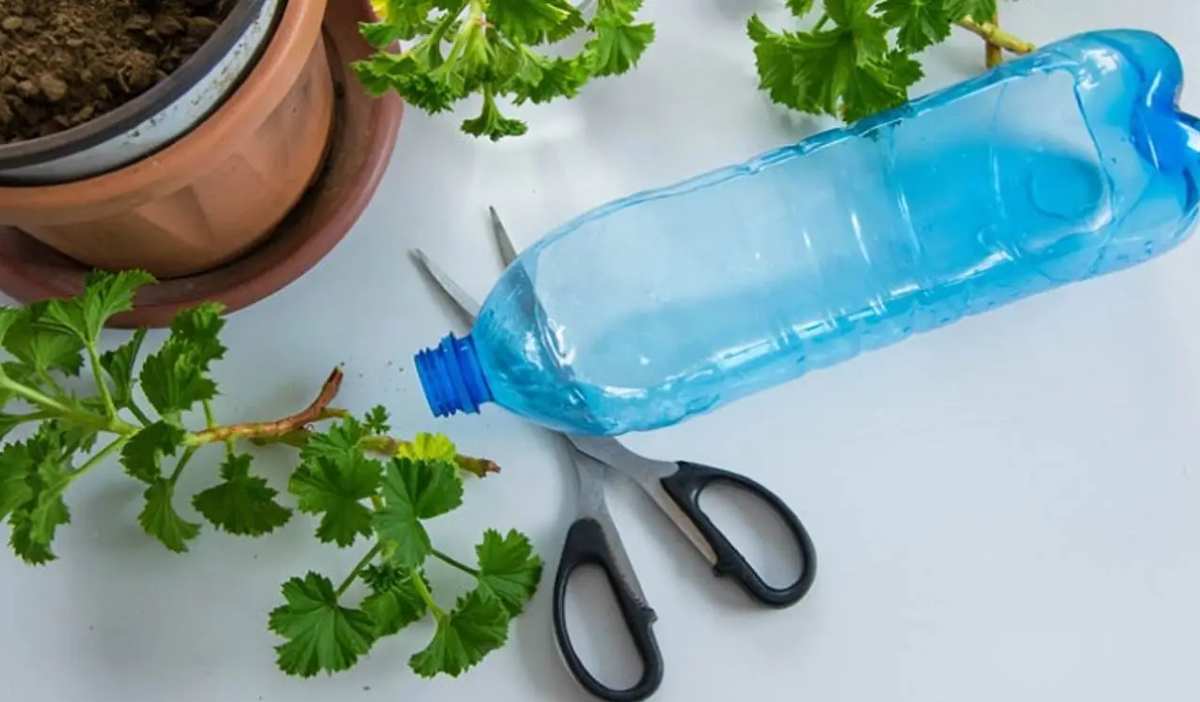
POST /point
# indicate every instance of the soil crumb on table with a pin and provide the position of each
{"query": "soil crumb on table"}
(64, 62)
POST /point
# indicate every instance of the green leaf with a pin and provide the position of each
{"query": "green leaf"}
(377, 420)
(491, 124)
(509, 570)
(43, 347)
(535, 21)
(161, 521)
(8, 317)
(46, 461)
(477, 626)
(16, 464)
(176, 377)
(394, 602)
(846, 71)
(618, 45)
(321, 634)
(142, 456)
(120, 364)
(412, 491)
(921, 23)
(341, 441)
(333, 487)
(799, 8)
(428, 447)
(105, 294)
(242, 504)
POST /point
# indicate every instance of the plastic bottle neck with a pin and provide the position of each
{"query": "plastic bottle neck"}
(452, 378)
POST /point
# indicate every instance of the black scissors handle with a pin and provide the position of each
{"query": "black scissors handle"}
(685, 486)
(586, 545)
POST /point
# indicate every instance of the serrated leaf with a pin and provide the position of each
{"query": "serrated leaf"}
(394, 602)
(921, 23)
(535, 21)
(175, 377)
(477, 626)
(412, 491)
(376, 421)
(16, 464)
(120, 364)
(42, 347)
(105, 294)
(492, 124)
(428, 447)
(322, 635)
(242, 504)
(339, 442)
(47, 473)
(509, 570)
(334, 487)
(161, 521)
(143, 455)
(617, 46)
(799, 8)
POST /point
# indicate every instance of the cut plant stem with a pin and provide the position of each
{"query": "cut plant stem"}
(362, 563)
(992, 34)
(278, 428)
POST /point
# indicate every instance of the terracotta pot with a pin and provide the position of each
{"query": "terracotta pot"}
(215, 193)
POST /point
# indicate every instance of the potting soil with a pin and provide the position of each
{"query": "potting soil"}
(65, 62)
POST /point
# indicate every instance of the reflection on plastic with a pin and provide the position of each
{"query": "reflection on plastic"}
(1066, 164)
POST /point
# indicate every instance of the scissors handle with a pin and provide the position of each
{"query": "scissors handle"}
(586, 545)
(685, 487)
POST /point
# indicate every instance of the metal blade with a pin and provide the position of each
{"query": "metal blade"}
(648, 473)
(466, 304)
(591, 504)
(508, 252)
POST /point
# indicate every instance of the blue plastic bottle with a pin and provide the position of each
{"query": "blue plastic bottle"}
(1065, 164)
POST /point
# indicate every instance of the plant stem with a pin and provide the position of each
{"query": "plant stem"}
(457, 564)
(993, 54)
(98, 457)
(101, 383)
(89, 419)
(821, 22)
(992, 34)
(277, 428)
(419, 585)
(211, 422)
(362, 563)
(183, 461)
(137, 412)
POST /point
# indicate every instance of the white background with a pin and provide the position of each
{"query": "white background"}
(1005, 509)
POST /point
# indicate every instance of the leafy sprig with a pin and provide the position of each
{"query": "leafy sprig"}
(360, 483)
(859, 57)
(496, 48)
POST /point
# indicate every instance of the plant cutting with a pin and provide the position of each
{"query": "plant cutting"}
(365, 488)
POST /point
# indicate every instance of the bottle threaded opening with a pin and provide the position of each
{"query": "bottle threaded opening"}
(451, 377)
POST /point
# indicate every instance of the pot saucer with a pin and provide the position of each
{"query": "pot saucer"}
(364, 135)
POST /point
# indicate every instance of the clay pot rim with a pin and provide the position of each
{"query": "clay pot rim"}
(129, 115)
(203, 148)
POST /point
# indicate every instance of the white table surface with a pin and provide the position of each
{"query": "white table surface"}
(1005, 509)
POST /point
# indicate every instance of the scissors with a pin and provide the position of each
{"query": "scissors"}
(593, 539)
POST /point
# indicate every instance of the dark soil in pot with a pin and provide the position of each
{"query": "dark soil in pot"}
(65, 62)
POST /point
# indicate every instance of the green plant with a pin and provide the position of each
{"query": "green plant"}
(357, 496)
(859, 57)
(495, 48)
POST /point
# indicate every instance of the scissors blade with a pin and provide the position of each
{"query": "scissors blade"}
(647, 473)
(466, 304)
(508, 252)
(592, 505)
